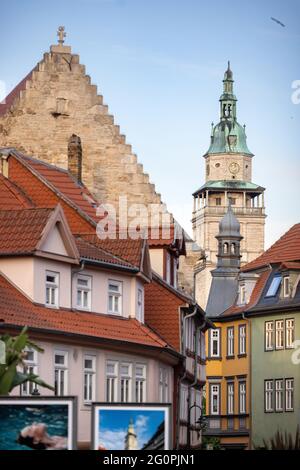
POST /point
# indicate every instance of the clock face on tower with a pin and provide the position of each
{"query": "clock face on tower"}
(234, 168)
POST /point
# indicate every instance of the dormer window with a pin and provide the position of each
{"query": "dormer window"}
(286, 286)
(140, 305)
(52, 289)
(115, 297)
(274, 286)
(84, 284)
(243, 294)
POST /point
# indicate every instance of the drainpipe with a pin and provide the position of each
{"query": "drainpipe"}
(77, 271)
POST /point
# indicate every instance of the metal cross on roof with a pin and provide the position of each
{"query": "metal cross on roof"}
(61, 35)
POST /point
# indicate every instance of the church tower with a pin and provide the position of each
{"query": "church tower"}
(224, 284)
(131, 438)
(228, 177)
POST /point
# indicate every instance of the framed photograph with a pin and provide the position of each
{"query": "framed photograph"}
(131, 426)
(38, 423)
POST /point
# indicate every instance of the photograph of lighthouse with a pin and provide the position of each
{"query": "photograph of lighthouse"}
(134, 427)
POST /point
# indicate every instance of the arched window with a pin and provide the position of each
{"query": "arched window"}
(225, 248)
(233, 248)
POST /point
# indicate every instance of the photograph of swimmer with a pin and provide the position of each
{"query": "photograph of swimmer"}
(36, 425)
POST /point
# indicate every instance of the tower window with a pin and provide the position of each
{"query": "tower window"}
(233, 247)
(217, 165)
(225, 248)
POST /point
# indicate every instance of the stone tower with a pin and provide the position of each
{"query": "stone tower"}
(131, 438)
(228, 168)
(224, 284)
(55, 107)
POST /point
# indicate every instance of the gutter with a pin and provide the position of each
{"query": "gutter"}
(110, 265)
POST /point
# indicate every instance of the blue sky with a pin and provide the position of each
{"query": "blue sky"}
(113, 426)
(160, 64)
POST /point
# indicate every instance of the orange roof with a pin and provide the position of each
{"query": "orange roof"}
(290, 265)
(287, 248)
(11, 197)
(162, 310)
(18, 310)
(14, 94)
(255, 296)
(128, 249)
(21, 230)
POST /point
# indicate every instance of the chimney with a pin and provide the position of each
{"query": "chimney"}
(75, 157)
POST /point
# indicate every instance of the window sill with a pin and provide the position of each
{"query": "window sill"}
(230, 357)
(241, 355)
(214, 358)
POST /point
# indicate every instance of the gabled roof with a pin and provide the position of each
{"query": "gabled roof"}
(24, 231)
(11, 196)
(287, 248)
(18, 310)
(14, 94)
(172, 237)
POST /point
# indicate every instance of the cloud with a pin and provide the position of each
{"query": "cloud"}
(112, 440)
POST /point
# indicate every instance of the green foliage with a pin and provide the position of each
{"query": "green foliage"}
(283, 441)
(15, 355)
(213, 443)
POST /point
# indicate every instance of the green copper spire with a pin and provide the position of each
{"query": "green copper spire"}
(228, 136)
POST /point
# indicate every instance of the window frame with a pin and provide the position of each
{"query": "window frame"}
(242, 383)
(271, 392)
(276, 408)
(140, 379)
(292, 391)
(230, 398)
(230, 342)
(88, 289)
(109, 377)
(211, 385)
(275, 285)
(114, 294)
(30, 366)
(279, 348)
(272, 332)
(244, 338)
(52, 285)
(163, 385)
(91, 373)
(287, 345)
(125, 391)
(140, 305)
(212, 340)
(61, 367)
(286, 286)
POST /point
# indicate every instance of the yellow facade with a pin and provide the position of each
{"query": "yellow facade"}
(229, 420)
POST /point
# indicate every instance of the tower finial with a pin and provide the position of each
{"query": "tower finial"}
(61, 35)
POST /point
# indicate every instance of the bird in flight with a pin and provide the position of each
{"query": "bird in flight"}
(278, 22)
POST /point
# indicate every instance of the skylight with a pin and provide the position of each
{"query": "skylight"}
(272, 291)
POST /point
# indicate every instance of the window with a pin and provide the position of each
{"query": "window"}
(83, 289)
(279, 395)
(242, 340)
(115, 297)
(242, 397)
(269, 335)
(175, 266)
(215, 399)
(230, 341)
(215, 347)
(111, 381)
(272, 291)
(218, 201)
(233, 248)
(279, 336)
(225, 248)
(125, 382)
(89, 378)
(269, 396)
(286, 286)
(230, 398)
(60, 373)
(30, 367)
(243, 294)
(140, 383)
(289, 394)
(289, 333)
(163, 385)
(52, 289)
(140, 305)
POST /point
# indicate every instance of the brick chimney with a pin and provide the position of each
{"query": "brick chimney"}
(75, 157)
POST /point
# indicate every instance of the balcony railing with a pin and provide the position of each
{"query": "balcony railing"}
(220, 210)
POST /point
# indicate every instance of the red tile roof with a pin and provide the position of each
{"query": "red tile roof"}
(290, 265)
(91, 251)
(255, 296)
(18, 310)
(21, 230)
(128, 249)
(11, 197)
(14, 94)
(162, 310)
(287, 248)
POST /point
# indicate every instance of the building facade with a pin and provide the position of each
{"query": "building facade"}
(228, 176)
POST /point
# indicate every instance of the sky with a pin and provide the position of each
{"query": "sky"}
(160, 64)
(113, 426)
